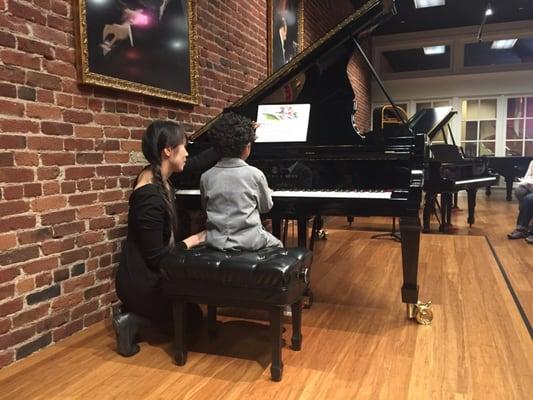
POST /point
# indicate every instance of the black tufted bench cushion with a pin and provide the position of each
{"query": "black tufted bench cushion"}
(268, 279)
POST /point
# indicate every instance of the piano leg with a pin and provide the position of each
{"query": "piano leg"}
(471, 195)
(452, 203)
(509, 186)
(443, 211)
(302, 231)
(276, 227)
(410, 232)
(429, 205)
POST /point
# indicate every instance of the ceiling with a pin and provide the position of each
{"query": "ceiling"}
(455, 13)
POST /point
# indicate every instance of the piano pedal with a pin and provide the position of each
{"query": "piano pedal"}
(421, 312)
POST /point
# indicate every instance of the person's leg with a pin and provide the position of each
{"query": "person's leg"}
(524, 216)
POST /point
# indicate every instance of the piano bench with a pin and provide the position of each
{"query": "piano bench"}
(269, 279)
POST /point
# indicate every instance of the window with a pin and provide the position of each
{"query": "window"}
(519, 127)
(414, 60)
(478, 131)
(519, 51)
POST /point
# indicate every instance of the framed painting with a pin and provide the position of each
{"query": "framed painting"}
(285, 31)
(141, 46)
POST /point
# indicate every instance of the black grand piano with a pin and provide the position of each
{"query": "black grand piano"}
(335, 171)
(510, 168)
(448, 170)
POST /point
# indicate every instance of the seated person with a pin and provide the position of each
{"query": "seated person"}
(152, 228)
(234, 193)
(524, 194)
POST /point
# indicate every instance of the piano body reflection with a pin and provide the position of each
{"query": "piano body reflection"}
(336, 171)
(449, 171)
(510, 168)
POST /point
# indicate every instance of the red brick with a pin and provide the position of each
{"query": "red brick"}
(41, 265)
(7, 291)
(58, 158)
(43, 111)
(93, 318)
(76, 284)
(30, 316)
(110, 119)
(13, 207)
(48, 203)
(79, 172)
(83, 185)
(116, 158)
(68, 187)
(32, 189)
(7, 159)
(80, 102)
(14, 223)
(67, 330)
(8, 274)
(74, 255)
(66, 54)
(45, 96)
(47, 173)
(79, 144)
(45, 143)
(8, 240)
(7, 40)
(41, 80)
(25, 285)
(89, 158)
(10, 307)
(109, 170)
(57, 38)
(69, 229)
(18, 126)
(88, 131)
(60, 23)
(90, 212)
(35, 236)
(101, 223)
(58, 217)
(8, 107)
(64, 100)
(56, 128)
(5, 326)
(20, 254)
(53, 321)
(13, 192)
(84, 309)
(12, 142)
(26, 12)
(82, 199)
(7, 89)
(130, 145)
(50, 188)
(77, 117)
(57, 246)
(17, 174)
(20, 59)
(12, 74)
(26, 159)
(68, 301)
(89, 238)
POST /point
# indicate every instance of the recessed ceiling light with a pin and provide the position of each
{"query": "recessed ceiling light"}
(429, 3)
(503, 44)
(432, 50)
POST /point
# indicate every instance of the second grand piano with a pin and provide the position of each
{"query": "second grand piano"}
(335, 171)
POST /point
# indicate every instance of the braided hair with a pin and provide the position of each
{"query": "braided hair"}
(158, 136)
(231, 133)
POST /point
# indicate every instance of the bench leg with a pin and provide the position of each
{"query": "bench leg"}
(180, 351)
(211, 320)
(276, 370)
(296, 339)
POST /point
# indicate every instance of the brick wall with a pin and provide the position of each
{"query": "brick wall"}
(68, 154)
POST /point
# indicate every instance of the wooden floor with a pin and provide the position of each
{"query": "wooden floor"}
(357, 341)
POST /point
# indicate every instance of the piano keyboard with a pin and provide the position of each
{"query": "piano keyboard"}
(356, 194)
(477, 180)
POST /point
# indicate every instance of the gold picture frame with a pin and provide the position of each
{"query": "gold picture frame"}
(284, 18)
(127, 46)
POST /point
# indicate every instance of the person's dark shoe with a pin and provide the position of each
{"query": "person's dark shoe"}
(529, 239)
(517, 234)
(126, 326)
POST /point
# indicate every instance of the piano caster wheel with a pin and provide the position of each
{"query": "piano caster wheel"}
(308, 300)
(421, 312)
(322, 234)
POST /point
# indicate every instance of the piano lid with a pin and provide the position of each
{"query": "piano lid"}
(432, 120)
(287, 83)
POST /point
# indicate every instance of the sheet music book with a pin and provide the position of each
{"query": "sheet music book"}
(282, 123)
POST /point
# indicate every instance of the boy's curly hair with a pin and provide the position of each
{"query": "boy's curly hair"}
(231, 133)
